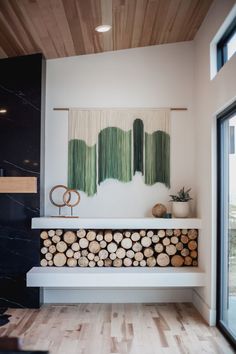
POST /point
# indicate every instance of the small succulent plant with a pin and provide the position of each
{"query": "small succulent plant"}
(181, 196)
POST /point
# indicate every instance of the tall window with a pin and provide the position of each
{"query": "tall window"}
(226, 311)
(226, 47)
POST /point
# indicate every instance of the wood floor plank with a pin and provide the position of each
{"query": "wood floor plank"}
(115, 329)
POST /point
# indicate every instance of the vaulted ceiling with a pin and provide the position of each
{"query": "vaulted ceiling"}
(60, 28)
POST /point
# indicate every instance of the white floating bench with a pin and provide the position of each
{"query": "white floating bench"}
(52, 277)
(115, 285)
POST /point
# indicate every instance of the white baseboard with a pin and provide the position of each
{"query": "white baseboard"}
(207, 313)
(111, 295)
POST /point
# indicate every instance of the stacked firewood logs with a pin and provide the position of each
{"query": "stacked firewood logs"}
(90, 248)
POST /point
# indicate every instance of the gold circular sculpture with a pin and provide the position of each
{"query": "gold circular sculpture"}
(58, 186)
(66, 199)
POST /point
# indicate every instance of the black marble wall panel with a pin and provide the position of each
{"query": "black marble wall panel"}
(21, 92)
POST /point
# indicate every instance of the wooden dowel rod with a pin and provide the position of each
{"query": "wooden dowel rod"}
(172, 109)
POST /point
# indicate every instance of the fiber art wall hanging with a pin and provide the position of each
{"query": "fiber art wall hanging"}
(117, 143)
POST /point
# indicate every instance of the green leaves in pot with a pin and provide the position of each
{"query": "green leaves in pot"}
(181, 196)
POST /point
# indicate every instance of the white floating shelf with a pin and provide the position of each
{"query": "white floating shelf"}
(114, 223)
(52, 277)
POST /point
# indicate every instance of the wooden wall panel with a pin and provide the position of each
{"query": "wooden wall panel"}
(18, 185)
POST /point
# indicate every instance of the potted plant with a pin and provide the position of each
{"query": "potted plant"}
(180, 203)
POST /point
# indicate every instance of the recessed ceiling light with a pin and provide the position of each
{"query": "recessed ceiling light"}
(103, 28)
(3, 110)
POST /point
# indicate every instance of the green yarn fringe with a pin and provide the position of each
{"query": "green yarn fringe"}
(157, 158)
(82, 167)
(114, 150)
(138, 135)
(114, 154)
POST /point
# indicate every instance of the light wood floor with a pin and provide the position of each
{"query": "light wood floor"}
(115, 328)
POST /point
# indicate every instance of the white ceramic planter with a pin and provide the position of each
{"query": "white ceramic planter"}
(180, 209)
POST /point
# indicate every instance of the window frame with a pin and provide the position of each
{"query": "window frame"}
(222, 44)
(221, 118)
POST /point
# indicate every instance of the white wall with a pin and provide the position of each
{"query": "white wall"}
(158, 76)
(210, 97)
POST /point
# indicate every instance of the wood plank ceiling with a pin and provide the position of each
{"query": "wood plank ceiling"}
(61, 28)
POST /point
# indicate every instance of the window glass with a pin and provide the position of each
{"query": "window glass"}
(226, 47)
(231, 46)
(226, 312)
